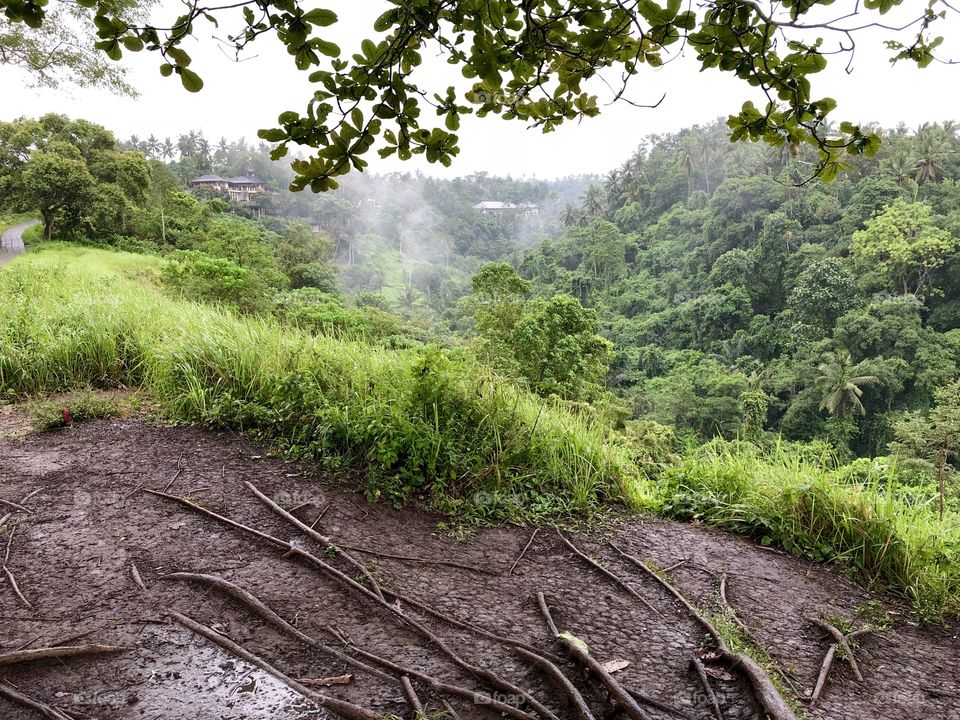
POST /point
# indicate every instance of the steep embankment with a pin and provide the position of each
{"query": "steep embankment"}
(91, 523)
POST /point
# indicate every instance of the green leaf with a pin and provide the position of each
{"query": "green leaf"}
(327, 48)
(323, 18)
(191, 81)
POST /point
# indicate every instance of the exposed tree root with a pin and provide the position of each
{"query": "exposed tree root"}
(293, 551)
(524, 551)
(561, 680)
(411, 695)
(58, 652)
(620, 697)
(844, 643)
(657, 705)
(11, 578)
(264, 611)
(824, 672)
(841, 645)
(11, 693)
(340, 707)
(16, 506)
(450, 711)
(450, 620)
(332, 544)
(733, 613)
(260, 608)
(766, 692)
(701, 671)
(619, 581)
(313, 534)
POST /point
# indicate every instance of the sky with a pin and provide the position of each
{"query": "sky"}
(241, 97)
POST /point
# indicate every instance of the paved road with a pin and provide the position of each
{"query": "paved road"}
(11, 242)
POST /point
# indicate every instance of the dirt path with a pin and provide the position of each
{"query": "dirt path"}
(72, 557)
(11, 241)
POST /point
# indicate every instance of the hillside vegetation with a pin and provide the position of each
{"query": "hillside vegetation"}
(434, 425)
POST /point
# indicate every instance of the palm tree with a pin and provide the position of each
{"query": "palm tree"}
(841, 389)
(593, 201)
(168, 149)
(572, 216)
(900, 168)
(930, 154)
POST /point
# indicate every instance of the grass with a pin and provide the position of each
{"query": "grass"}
(421, 423)
(50, 412)
(432, 425)
(809, 509)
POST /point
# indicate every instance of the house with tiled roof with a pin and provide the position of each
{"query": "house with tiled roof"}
(240, 189)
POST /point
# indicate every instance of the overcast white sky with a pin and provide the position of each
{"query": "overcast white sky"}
(241, 98)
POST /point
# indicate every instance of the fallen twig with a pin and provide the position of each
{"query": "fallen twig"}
(578, 651)
(135, 574)
(697, 664)
(11, 693)
(619, 581)
(320, 515)
(450, 711)
(16, 506)
(169, 485)
(411, 695)
(524, 551)
(340, 707)
(18, 657)
(767, 694)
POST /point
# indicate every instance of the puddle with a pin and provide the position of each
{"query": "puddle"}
(179, 675)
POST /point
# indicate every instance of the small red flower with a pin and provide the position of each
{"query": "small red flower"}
(67, 417)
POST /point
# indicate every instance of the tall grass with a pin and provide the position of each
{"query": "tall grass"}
(817, 512)
(420, 423)
(429, 424)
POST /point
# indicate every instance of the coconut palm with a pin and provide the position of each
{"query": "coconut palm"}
(593, 201)
(900, 168)
(931, 152)
(841, 388)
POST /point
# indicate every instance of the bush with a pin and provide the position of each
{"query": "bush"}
(194, 275)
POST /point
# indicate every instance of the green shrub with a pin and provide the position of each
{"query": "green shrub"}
(194, 275)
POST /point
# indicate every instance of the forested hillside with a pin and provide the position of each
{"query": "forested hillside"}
(740, 295)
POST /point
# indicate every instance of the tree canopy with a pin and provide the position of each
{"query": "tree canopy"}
(538, 62)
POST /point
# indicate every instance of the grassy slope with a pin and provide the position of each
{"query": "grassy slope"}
(431, 425)
(420, 422)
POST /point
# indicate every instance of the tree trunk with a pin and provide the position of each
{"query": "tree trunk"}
(47, 225)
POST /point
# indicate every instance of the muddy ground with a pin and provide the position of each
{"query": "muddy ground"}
(90, 521)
